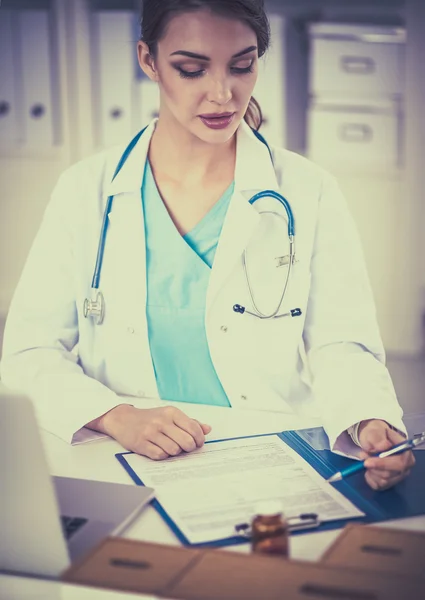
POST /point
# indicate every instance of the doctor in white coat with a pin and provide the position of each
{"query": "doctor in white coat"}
(173, 268)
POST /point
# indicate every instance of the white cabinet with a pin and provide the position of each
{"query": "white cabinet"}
(357, 61)
(356, 109)
(360, 136)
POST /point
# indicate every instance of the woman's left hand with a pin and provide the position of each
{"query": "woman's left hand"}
(382, 473)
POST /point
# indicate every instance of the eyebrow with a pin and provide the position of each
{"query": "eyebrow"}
(206, 58)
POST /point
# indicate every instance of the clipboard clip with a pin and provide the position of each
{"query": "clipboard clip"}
(299, 523)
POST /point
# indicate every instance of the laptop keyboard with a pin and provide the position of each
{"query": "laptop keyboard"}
(71, 525)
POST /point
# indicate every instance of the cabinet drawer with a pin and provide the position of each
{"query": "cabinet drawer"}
(353, 66)
(367, 140)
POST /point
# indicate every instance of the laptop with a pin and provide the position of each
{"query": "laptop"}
(48, 522)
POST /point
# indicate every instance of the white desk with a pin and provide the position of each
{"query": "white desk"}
(97, 461)
(20, 588)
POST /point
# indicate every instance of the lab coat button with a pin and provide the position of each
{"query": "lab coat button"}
(130, 330)
(141, 393)
(223, 328)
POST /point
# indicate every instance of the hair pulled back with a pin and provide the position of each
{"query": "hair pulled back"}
(156, 15)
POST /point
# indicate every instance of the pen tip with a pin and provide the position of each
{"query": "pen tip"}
(335, 477)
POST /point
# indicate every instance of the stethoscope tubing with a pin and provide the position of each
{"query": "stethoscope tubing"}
(98, 303)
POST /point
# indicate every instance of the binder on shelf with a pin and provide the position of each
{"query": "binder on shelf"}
(114, 76)
(8, 70)
(147, 101)
(406, 499)
(38, 86)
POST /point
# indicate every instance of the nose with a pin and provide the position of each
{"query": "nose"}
(219, 91)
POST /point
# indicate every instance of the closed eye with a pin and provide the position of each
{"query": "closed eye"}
(189, 74)
(195, 74)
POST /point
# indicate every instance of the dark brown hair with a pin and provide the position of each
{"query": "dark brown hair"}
(156, 14)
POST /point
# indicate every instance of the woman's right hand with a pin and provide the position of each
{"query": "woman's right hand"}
(153, 432)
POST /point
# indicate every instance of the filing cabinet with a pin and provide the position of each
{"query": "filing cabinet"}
(360, 61)
(356, 96)
(356, 136)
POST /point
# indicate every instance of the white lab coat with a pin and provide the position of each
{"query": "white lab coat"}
(261, 363)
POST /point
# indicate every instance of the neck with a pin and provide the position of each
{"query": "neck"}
(182, 157)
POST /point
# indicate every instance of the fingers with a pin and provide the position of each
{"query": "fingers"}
(206, 428)
(396, 463)
(395, 437)
(375, 438)
(175, 432)
(383, 473)
(381, 483)
(159, 433)
(190, 426)
(167, 443)
(184, 440)
(151, 451)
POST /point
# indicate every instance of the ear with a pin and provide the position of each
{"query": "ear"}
(146, 61)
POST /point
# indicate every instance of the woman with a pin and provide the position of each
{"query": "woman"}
(173, 267)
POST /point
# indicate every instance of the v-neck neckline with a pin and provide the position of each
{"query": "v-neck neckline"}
(186, 238)
(200, 224)
(212, 211)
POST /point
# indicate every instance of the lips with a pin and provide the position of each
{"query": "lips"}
(217, 115)
(217, 120)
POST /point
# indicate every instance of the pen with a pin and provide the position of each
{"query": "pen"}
(359, 466)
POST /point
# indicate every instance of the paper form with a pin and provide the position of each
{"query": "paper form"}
(207, 492)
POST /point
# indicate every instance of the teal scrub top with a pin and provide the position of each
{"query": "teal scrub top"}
(178, 271)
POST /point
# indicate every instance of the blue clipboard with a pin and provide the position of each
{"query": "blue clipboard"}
(404, 500)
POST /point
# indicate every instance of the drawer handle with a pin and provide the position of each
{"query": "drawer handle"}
(358, 65)
(355, 132)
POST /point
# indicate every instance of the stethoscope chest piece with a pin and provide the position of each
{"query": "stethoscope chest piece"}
(95, 308)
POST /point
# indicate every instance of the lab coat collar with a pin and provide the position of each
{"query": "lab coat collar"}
(254, 167)
(129, 179)
(254, 172)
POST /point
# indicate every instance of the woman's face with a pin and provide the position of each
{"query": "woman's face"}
(206, 65)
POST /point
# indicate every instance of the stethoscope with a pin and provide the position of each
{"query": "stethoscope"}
(95, 307)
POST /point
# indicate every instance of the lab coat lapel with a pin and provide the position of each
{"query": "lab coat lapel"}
(254, 173)
(125, 262)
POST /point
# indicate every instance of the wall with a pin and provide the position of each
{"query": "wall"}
(387, 212)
